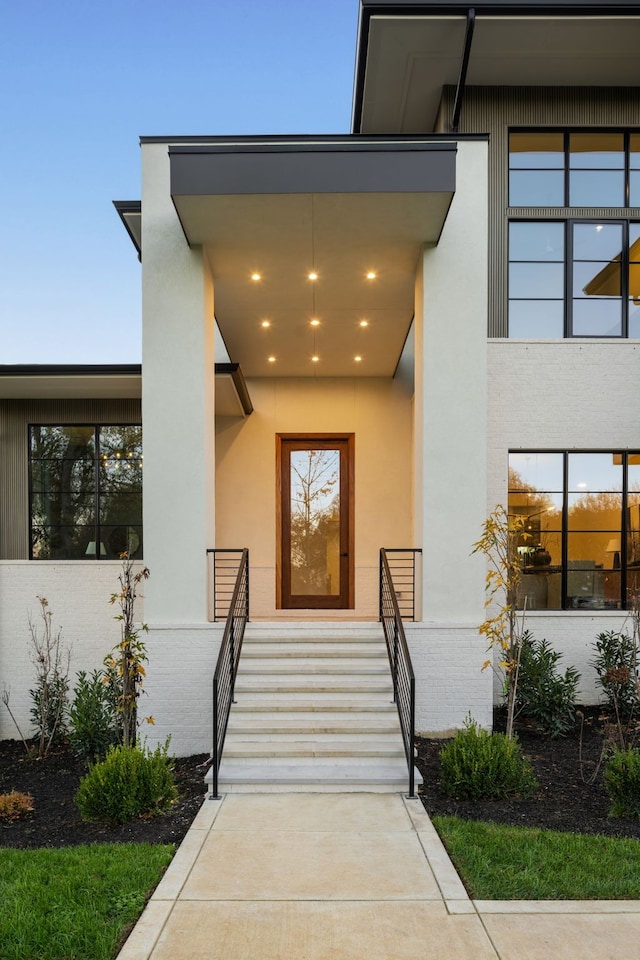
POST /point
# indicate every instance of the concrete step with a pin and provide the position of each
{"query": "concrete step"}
(313, 684)
(312, 723)
(269, 648)
(278, 748)
(380, 775)
(303, 666)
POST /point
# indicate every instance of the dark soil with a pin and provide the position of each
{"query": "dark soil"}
(563, 800)
(55, 820)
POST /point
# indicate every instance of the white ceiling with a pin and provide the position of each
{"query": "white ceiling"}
(409, 59)
(342, 237)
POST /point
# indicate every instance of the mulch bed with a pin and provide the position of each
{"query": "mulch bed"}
(55, 820)
(563, 801)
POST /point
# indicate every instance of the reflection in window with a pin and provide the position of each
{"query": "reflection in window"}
(581, 543)
(577, 169)
(601, 271)
(85, 492)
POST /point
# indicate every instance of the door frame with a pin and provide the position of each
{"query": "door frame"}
(347, 439)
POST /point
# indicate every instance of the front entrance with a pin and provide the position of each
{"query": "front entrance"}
(315, 521)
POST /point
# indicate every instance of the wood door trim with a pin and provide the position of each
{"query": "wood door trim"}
(350, 439)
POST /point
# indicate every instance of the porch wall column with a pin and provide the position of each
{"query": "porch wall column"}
(451, 400)
(178, 391)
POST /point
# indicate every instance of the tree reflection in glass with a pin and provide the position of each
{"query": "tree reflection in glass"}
(315, 522)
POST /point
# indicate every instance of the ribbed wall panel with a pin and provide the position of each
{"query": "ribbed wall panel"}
(15, 416)
(494, 110)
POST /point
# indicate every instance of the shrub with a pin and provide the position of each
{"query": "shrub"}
(49, 696)
(546, 696)
(15, 804)
(616, 663)
(128, 783)
(92, 716)
(477, 765)
(622, 780)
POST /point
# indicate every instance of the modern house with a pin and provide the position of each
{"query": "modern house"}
(362, 342)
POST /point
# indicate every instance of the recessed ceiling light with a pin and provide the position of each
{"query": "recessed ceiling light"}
(364, 323)
(315, 322)
(271, 359)
(313, 275)
(256, 276)
(315, 359)
(357, 359)
(371, 275)
(266, 323)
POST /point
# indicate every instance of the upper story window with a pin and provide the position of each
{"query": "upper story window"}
(85, 492)
(574, 169)
(574, 278)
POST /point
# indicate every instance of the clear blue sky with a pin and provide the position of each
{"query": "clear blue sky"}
(79, 83)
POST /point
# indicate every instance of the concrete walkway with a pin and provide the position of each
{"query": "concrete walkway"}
(349, 877)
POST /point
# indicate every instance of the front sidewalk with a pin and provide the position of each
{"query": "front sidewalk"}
(349, 876)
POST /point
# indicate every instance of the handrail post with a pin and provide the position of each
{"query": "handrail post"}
(214, 785)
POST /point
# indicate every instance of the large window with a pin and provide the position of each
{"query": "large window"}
(574, 278)
(581, 542)
(574, 169)
(85, 492)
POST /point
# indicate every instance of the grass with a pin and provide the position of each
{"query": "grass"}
(76, 903)
(519, 863)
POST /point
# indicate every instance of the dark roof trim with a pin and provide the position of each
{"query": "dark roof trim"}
(239, 383)
(464, 66)
(516, 8)
(125, 207)
(300, 143)
(70, 370)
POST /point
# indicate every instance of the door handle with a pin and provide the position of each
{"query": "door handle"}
(344, 554)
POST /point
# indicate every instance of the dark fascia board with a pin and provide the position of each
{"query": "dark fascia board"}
(239, 383)
(124, 209)
(515, 8)
(327, 165)
(49, 370)
(70, 370)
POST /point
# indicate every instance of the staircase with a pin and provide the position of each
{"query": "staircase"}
(313, 711)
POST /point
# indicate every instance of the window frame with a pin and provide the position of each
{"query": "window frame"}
(565, 531)
(568, 224)
(96, 487)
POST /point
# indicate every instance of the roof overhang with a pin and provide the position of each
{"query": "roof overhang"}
(111, 382)
(130, 212)
(410, 49)
(341, 206)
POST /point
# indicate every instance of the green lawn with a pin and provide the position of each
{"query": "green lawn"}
(518, 863)
(75, 903)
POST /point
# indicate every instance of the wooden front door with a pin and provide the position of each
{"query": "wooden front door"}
(315, 522)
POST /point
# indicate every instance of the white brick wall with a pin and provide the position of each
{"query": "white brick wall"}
(562, 395)
(78, 595)
(450, 683)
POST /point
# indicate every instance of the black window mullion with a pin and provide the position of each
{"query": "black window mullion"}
(567, 168)
(624, 279)
(627, 168)
(565, 529)
(623, 533)
(568, 279)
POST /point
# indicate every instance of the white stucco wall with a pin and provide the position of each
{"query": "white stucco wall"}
(562, 395)
(378, 412)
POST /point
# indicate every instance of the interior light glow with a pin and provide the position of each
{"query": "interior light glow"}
(266, 323)
(315, 359)
(271, 359)
(315, 322)
(357, 359)
(371, 275)
(313, 275)
(364, 323)
(256, 276)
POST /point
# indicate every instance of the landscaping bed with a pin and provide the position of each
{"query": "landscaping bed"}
(55, 820)
(563, 800)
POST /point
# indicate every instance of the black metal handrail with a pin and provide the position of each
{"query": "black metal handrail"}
(404, 682)
(225, 563)
(402, 565)
(224, 678)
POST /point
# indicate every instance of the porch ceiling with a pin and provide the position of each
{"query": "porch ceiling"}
(284, 210)
(406, 57)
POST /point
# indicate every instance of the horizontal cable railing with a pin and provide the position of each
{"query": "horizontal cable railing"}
(224, 678)
(403, 562)
(404, 683)
(223, 571)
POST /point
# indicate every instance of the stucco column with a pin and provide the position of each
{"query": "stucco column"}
(178, 392)
(451, 400)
